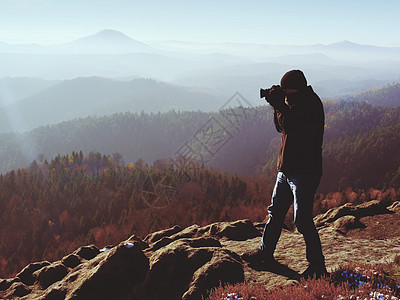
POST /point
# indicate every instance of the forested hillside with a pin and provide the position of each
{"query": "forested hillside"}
(51, 208)
(143, 136)
(359, 138)
(385, 96)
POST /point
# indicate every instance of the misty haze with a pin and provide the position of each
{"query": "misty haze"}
(96, 134)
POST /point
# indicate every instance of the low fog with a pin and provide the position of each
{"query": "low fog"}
(35, 80)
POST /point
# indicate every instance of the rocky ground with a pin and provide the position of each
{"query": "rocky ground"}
(183, 263)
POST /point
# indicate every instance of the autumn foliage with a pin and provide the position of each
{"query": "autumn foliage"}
(51, 208)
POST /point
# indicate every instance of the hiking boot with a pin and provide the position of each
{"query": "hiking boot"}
(315, 271)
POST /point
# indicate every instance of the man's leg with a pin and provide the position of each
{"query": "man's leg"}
(304, 188)
(280, 202)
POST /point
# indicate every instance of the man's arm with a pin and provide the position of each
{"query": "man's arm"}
(288, 118)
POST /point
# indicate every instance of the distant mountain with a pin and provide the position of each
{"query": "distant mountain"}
(344, 50)
(106, 41)
(224, 68)
(82, 97)
(329, 77)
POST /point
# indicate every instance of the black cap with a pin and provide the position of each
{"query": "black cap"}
(294, 79)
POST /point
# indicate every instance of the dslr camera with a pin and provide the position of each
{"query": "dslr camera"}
(264, 93)
(273, 95)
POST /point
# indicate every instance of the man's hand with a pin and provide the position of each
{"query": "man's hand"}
(276, 96)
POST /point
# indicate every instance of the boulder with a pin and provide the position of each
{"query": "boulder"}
(154, 237)
(237, 231)
(6, 283)
(16, 290)
(394, 207)
(87, 252)
(50, 274)
(189, 232)
(333, 214)
(143, 245)
(187, 267)
(224, 267)
(346, 223)
(71, 261)
(26, 275)
(110, 275)
(370, 208)
(165, 240)
(54, 294)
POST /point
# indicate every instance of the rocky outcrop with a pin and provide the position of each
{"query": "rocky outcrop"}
(98, 275)
(185, 263)
(188, 267)
(347, 223)
(174, 263)
(370, 208)
(26, 275)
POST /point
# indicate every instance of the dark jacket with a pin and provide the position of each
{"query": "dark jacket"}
(302, 125)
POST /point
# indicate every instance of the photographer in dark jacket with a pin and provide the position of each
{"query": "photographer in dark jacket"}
(299, 116)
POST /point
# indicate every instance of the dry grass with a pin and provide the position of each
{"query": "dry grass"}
(347, 282)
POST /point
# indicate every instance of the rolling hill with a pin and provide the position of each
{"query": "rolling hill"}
(82, 97)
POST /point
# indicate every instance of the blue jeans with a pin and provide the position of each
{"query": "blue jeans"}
(300, 189)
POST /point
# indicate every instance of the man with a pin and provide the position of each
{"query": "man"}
(299, 116)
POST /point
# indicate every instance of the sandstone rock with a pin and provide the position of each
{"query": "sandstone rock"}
(203, 242)
(54, 294)
(165, 240)
(143, 245)
(186, 267)
(187, 263)
(6, 283)
(237, 231)
(26, 275)
(346, 223)
(50, 274)
(154, 237)
(370, 208)
(87, 252)
(71, 261)
(395, 207)
(110, 275)
(17, 290)
(224, 267)
(333, 214)
(188, 232)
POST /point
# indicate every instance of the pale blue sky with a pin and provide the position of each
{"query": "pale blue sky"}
(374, 22)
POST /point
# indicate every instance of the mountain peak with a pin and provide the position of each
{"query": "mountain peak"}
(344, 43)
(110, 33)
(107, 35)
(108, 41)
